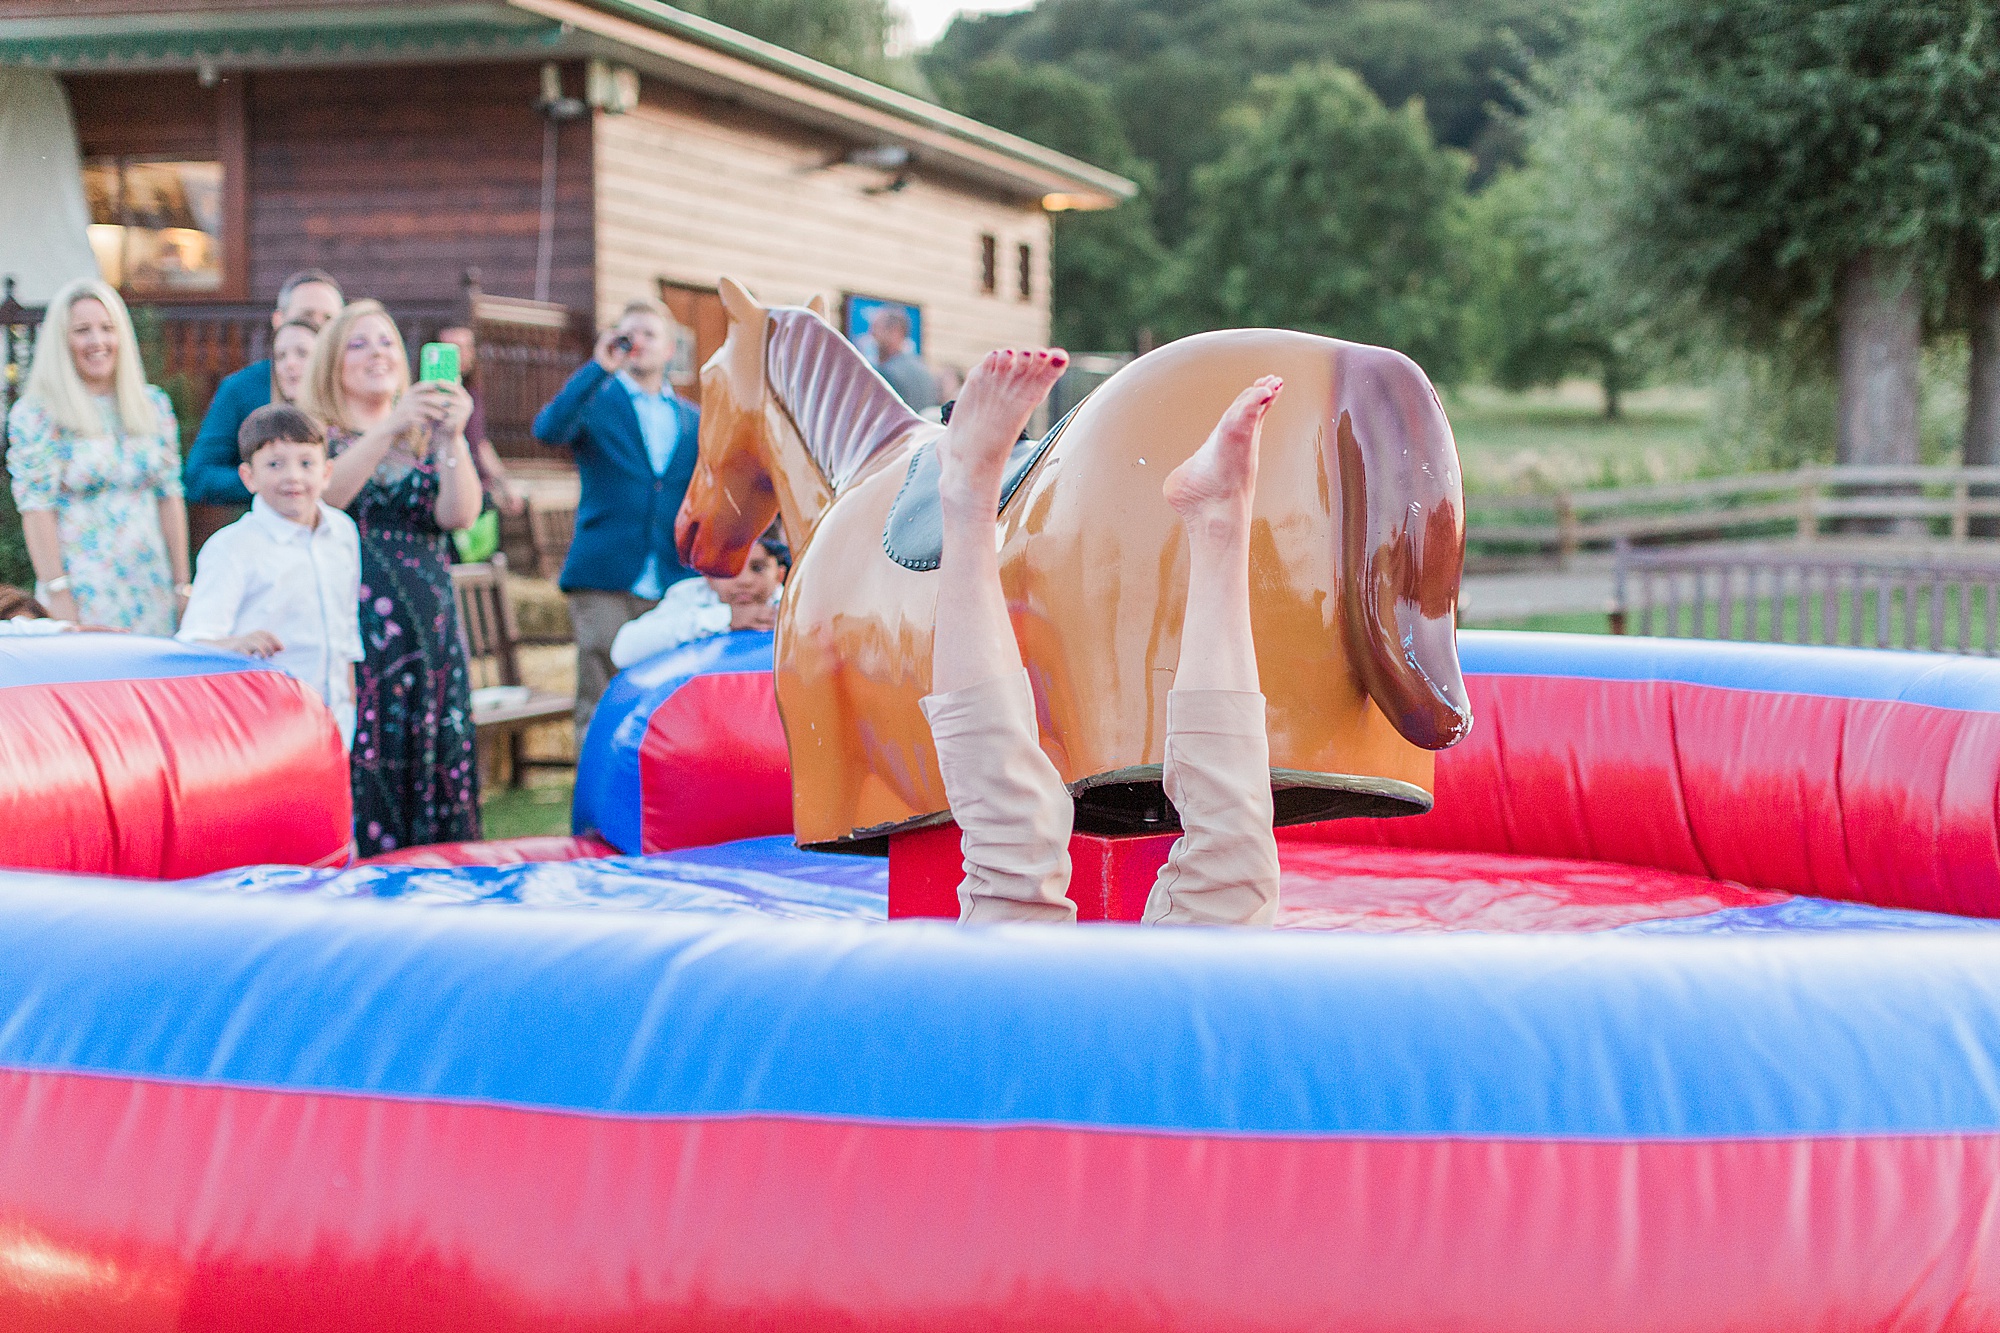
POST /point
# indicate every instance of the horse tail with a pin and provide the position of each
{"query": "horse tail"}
(1402, 537)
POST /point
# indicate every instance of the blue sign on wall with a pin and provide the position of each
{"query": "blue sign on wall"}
(858, 310)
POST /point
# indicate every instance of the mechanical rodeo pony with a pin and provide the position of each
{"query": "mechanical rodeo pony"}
(1357, 550)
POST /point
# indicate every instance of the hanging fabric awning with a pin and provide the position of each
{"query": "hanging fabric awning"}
(44, 220)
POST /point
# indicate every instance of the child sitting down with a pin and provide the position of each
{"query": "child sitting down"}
(700, 608)
(284, 581)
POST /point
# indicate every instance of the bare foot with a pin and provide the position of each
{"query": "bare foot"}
(999, 396)
(1215, 486)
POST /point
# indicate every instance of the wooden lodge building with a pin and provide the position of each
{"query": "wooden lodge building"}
(564, 155)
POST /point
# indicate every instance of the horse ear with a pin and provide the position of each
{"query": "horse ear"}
(819, 305)
(738, 301)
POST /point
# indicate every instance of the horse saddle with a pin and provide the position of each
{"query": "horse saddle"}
(914, 534)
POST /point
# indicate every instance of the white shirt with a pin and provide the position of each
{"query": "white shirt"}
(31, 627)
(689, 611)
(660, 428)
(302, 584)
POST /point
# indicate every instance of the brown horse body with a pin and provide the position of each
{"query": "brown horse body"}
(1356, 552)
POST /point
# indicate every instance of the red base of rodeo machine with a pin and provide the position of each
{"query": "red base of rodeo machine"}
(1109, 877)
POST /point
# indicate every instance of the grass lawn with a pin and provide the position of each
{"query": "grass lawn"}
(511, 813)
(1865, 609)
(1551, 439)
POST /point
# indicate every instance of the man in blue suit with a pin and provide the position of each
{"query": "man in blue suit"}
(634, 443)
(209, 477)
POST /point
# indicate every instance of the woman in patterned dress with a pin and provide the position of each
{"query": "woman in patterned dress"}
(401, 468)
(94, 457)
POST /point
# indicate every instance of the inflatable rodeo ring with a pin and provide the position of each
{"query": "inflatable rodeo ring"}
(1680, 1010)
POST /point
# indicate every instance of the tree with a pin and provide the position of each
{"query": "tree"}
(1332, 214)
(1175, 68)
(1800, 170)
(1101, 264)
(1549, 297)
(850, 34)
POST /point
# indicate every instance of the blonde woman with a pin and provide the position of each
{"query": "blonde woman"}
(402, 471)
(94, 458)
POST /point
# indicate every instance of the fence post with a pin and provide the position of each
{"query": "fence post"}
(1566, 538)
(1961, 509)
(1808, 503)
(1621, 548)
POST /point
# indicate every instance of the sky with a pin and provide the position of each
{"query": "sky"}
(928, 18)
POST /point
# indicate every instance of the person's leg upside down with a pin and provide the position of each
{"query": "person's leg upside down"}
(1010, 804)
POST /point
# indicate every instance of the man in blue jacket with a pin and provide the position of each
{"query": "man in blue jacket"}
(209, 474)
(634, 443)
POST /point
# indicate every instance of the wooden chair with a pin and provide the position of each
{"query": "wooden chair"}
(552, 529)
(487, 628)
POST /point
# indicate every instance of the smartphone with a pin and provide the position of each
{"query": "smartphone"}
(438, 361)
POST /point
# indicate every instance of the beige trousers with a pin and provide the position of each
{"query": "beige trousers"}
(1014, 814)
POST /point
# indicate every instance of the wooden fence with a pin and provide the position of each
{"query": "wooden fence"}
(1942, 598)
(1913, 501)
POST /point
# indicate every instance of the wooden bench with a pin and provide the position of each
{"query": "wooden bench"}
(487, 628)
(1859, 594)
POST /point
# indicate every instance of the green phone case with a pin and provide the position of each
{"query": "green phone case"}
(438, 361)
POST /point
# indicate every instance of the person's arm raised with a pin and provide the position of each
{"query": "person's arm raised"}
(458, 477)
(357, 462)
(561, 422)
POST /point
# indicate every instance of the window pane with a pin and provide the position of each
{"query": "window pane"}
(173, 226)
(107, 237)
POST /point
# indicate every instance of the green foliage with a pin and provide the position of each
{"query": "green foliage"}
(1102, 263)
(1332, 214)
(1548, 298)
(1174, 69)
(850, 34)
(1777, 141)
(14, 565)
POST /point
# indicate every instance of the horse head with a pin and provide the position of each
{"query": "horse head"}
(734, 493)
(791, 412)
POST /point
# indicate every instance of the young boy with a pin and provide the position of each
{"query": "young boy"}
(284, 581)
(699, 608)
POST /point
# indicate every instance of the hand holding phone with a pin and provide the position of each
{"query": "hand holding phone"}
(614, 347)
(438, 361)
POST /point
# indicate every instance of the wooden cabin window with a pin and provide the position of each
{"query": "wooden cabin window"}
(1024, 286)
(989, 263)
(156, 225)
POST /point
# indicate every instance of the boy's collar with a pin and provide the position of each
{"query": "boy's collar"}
(267, 514)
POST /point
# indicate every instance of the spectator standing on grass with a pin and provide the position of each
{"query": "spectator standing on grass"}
(283, 582)
(634, 444)
(310, 297)
(94, 462)
(403, 473)
(889, 330)
(499, 487)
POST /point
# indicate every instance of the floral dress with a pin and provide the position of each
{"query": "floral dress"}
(415, 776)
(105, 490)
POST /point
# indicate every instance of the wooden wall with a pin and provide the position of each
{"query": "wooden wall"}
(690, 189)
(396, 179)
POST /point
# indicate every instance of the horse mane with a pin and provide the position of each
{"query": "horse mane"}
(845, 411)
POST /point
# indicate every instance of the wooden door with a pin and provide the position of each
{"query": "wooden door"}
(698, 310)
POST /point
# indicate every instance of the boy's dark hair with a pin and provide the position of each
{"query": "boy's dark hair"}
(277, 421)
(301, 278)
(14, 602)
(773, 542)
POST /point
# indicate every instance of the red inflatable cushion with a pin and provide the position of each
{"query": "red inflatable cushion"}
(501, 852)
(1861, 799)
(713, 766)
(171, 778)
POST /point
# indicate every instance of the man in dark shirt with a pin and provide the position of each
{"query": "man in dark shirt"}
(310, 296)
